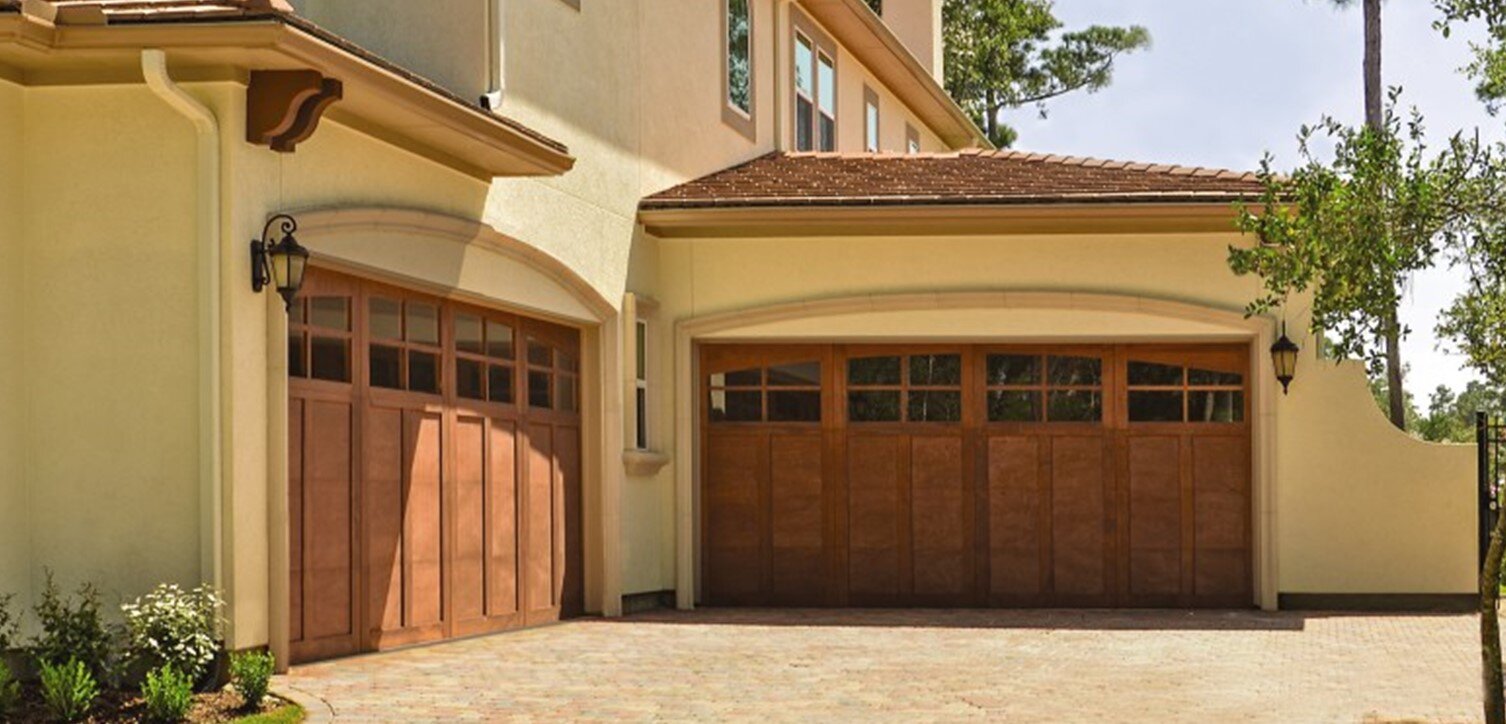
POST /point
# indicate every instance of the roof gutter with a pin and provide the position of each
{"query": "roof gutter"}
(1098, 217)
(211, 403)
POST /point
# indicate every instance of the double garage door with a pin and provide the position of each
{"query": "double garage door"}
(434, 469)
(973, 475)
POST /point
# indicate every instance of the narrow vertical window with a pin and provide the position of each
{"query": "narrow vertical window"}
(912, 139)
(826, 88)
(739, 57)
(870, 120)
(805, 93)
(641, 386)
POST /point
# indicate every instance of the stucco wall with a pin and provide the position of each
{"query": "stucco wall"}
(110, 339)
(444, 42)
(15, 538)
(1360, 508)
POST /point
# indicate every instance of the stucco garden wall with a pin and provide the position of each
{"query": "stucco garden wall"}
(109, 401)
(15, 535)
(1359, 508)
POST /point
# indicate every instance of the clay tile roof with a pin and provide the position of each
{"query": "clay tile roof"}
(966, 177)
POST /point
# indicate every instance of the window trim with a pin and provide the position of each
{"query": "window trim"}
(642, 425)
(873, 138)
(744, 123)
(912, 139)
(821, 44)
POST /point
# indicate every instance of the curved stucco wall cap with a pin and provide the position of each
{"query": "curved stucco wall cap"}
(970, 315)
(452, 256)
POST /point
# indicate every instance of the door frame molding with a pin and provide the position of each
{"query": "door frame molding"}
(1230, 325)
(431, 235)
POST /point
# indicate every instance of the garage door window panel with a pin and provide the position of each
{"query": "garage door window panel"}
(787, 392)
(319, 339)
(905, 388)
(1206, 391)
(484, 366)
(1025, 388)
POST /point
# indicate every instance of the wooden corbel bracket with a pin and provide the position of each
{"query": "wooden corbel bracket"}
(283, 107)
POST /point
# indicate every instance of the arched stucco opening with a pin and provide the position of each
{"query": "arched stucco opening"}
(1013, 316)
(467, 261)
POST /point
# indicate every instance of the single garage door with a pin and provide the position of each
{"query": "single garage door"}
(975, 475)
(434, 469)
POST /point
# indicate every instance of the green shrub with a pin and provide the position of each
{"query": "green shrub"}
(68, 689)
(252, 672)
(8, 623)
(72, 628)
(168, 694)
(10, 691)
(174, 627)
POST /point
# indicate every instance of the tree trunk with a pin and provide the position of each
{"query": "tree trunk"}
(1395, 383)
(1490, 625)
(1375, 93)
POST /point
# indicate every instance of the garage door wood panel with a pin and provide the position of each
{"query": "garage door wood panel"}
(437, 423)
(797, 520)
(1072, 476)
(877, 476)
(1079, 504)
(941, 535)
(1155, 499)
(1016, 500)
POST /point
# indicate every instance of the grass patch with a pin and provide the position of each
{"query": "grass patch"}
(288, 714)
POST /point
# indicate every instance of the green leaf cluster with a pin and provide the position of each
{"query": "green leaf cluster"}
(168, 694)
(1489, 65)
(1009, 53)
(251, 672)
(175, 627)
(68, 690)
(1364, 211)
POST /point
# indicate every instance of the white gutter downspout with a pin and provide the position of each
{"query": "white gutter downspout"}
(211, 453)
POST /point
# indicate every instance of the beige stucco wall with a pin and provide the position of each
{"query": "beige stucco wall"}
(109, 403)
(446, 42)
(1359, 508)
(15, 528)
(918, 24)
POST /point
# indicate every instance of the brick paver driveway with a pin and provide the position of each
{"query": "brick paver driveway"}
(927, 665)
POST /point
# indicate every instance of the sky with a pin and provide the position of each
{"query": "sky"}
(1227, 81)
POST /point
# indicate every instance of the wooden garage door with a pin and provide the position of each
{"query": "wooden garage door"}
(434, 469)
(968, 475)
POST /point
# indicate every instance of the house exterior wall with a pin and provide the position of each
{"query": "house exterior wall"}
(1367, 511)
(918, 24)
(15, 527)
(108, 403)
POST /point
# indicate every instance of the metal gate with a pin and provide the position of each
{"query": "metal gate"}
(1490, 436)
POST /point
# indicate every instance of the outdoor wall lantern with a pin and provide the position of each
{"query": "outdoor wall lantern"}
(1284, 359)
(279, 265)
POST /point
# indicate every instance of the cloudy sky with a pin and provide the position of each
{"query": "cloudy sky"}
(1228, 80)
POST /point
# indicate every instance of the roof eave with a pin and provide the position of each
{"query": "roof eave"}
(867, 37)
(396, 107)
(1033, 217)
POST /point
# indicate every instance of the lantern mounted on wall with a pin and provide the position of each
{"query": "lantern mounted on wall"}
(281, 264)
(1284, 359)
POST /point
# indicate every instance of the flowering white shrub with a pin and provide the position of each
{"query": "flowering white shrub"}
(174, 627)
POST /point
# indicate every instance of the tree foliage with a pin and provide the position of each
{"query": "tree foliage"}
(1489, 65)
(1008, 53)
(1350, 231)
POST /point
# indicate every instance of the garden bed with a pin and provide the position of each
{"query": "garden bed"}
(120, 707)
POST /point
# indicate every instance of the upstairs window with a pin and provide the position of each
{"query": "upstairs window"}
(815, 89)
(912, 139)
(870, 120)
(739, 57)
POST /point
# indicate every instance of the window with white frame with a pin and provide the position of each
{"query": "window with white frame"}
(870, 120)
(912, 139)
(815, 89)
(640, 386)
(739, 56)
